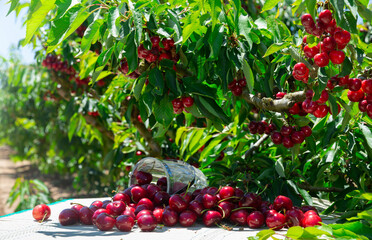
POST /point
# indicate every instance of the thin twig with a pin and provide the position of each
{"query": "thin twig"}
(256, 145)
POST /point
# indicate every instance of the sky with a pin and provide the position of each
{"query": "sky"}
(11, 31)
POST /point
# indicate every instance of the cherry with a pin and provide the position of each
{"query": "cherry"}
(232, 84)
(115, 208)
(369, 110)
(286, 130)
(367, 86)
(227, 192)
(211, 218)
(143, 177)
(187, 218)
(303, 78)
(282, 202)
(142, 212)
(242, 83)
(300, 69)
(138, 193)
(369, 98)
(309, 94)
(98, 204)
(151, 57)
(168, 44)
(354, 84)
(147, 223)
(310, 210)
(170, 217)
(363, 106)
(329, 44)
(310, 52)
(355, 96)
(295, 217)
(155, 41)
(287, 142)
(295, 109)
(124, 223)
(147, 202)
(225, 208)
(256, 219)
(323, 97)
(277, 138)
(261, 127)
(250, 200)
(253, 127)
(344, 80)
(237, 90)
(209, 200)
(280, 95)
(276, 221)
(119, 197)
(331, 27)
(177, 203)
(161, 198)
(86, 215)
(162, 182)
(239, 193)
(309, 106)
(319, 29)
(307, 20)
(298, 137)
(196, 207)
(96, 213)
(164, 56)
(321, 59)
(41, 212)
(142, 54)
(177, 103)
(337, 57)
(325, 16)
(158, 214)
(239, 217)
(187, 101)
(130, 212)
(68, 217)
(311, 220)
(321, 111)
(342, 37)
(304, 39)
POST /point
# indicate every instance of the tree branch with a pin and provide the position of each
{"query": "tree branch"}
(155, 149)
(279, 105)
(256, 145)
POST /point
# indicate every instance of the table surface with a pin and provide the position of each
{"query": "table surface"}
(21, 225)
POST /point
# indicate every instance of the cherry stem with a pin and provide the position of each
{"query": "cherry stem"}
(45, 214)
(226, 199)
(263, 190)
(77, 204)
(237, 209)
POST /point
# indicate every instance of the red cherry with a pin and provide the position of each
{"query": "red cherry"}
(239, 217)
(282, 202)
(68, 217)
(280, 95)
(295, 109)
(294, 217)
(309, 94)
(355, 96)
(286, 130)
(155, 41)
(237, 91)
(143, 177)
(321, 111)
(309, 106)
(303, 78)
(367, 86)
(151, 57)
(300, 69)
(227, 192)
(287, 142)
(211, 218)
(321, 59)
(355, 84)
(142, 52)
(342, 37)
(170, 217)
(277, 138)
(307, 20)
(307, 131)
(369, 98)
(276, 221)
(311, 220)
(363, 106)
(369, 110)
(304, 39)
(177, 103)
(331, 27)
(232, 84)
(168, 44)
(105, 222)
(337, 57)
(344, 81)
(253, 127)
(298, 137)
(323, 97)
(187, 218)
(41, 212)
(187, 101)
(124, 223)
(164, 56)
(242, 83)
(177, 203)
(329, 44)
(310, 52)
(319, 29)
(147, 223)
(325, 16)
(256, 219)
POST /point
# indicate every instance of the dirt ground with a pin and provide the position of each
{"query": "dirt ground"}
(10, 171)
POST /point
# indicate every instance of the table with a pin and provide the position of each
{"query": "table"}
(21, 225)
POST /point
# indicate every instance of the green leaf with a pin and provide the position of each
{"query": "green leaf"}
(138, 87)
(12, 6)
(131, 52)
(156, 79)
(103, 59)
(245, 27)
(113, 17)
(339, 9)
(276, 47)
(269, 5)
(295, 232)
(91, 35)
(349, 22)
(280, 168)
(311, 7)
(347, 67)
(214, 108)
(248, 75)
(215, 40)
(216, 10)
(333, 105)
(138, 25)
(265, 234)
(37, 14)
(163, 111)
(310, 232)
(367, 133)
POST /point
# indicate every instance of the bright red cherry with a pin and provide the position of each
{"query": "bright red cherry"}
(369, 98)
(170, 217)
(337, 57)
(280, 95)
(367, 86)
(343, 81)
(369, 110)
(363, 106)
(307, 20)
(311, 220)
(304, 39)
(211, 218)
(310, 52)
(124, 223)
(177, 103)
(321, 111)
(105, 222)
(187, 218)
(164, 56)
(355, 84)
(294, 217)
(309, 106)
(256, 219)
(143, 177)
(329, 44)
(147, 223)
(276, 221)
(321, 59)
(155, 41)
(282, 202)
(325, 16)
(355, 96)
(187, 101)
(342, 37)
(41, 212)
(300, 69)
(309, 94)
(323, 97)
(331, 27)
(295, 109)
(239, 217)
(227, 192)
(151, 57)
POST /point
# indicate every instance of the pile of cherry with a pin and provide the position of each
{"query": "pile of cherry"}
(180, 104)
(148, 205)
